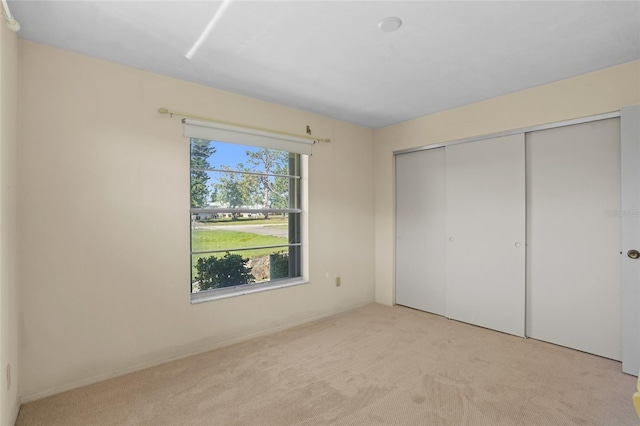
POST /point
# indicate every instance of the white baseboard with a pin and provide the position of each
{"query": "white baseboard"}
(162, 360)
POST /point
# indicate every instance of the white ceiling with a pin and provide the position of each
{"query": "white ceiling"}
(329, 57)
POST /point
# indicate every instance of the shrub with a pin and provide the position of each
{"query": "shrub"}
(279, 265)
(218, 272)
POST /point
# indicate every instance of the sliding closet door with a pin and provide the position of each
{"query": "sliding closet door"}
(420, 230)
(485, 257)
(573, 191)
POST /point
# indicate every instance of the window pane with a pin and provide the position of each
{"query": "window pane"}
(223, 231)
(238, 178)
(231, 189)
(239, 190)
(201, 153)
(221, 156)
(212, 271)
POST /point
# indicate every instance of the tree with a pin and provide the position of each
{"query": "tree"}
(269, 161)
(200, 153)
(279, 198)
(236, 189)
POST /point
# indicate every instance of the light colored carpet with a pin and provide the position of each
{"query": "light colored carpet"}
(376, 365)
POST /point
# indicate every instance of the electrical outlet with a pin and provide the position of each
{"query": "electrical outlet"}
(338, 282)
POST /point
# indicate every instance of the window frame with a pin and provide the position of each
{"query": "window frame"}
(298, 183)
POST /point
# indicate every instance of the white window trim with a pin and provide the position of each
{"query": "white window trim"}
(227, 292)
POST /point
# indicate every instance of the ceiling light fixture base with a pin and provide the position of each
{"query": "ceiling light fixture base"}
(389, 24)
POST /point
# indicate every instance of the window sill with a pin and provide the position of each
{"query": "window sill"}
(224, 293)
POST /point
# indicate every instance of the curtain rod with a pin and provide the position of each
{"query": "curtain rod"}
(262, 129)
(9, 19)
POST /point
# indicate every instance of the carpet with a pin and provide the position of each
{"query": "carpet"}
(375, 365)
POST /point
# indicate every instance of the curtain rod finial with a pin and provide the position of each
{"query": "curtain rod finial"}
(163, 110)
(13, 25)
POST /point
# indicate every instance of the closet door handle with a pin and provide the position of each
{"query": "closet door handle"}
(633, 254)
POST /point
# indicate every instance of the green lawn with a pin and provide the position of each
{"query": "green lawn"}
(220, 239)
(274, 220)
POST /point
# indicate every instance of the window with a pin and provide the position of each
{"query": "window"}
(245, 219)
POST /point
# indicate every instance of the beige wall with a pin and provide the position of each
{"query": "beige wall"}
(103, 207)
(104, 197)
(9, 344)
(590, 94)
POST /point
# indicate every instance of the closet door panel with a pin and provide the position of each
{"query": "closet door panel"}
(420, 230)
(573, 190)
(485, 213)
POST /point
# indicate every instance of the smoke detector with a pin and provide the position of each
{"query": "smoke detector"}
(389, 24)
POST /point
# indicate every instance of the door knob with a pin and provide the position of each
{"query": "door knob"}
(633, 254)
